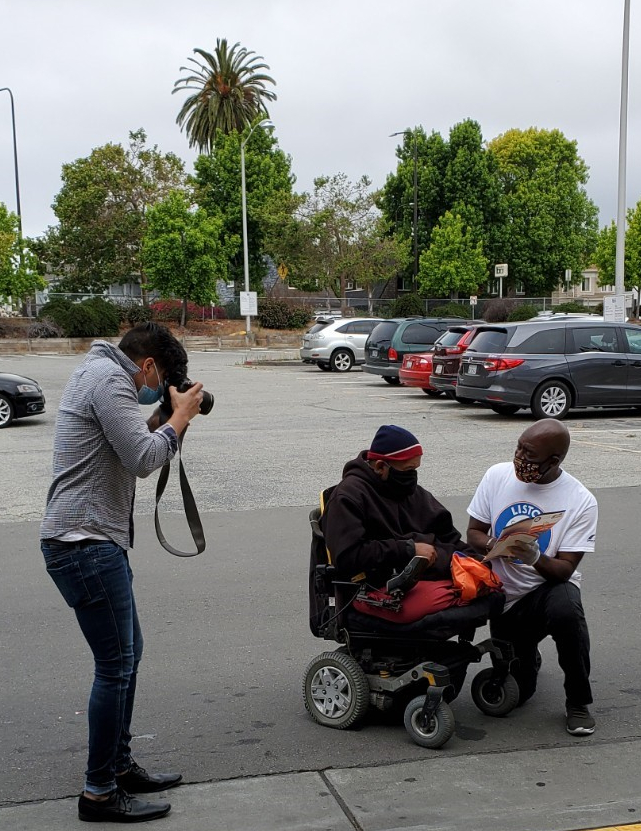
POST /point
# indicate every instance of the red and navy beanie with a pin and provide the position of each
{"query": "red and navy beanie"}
(394, 444)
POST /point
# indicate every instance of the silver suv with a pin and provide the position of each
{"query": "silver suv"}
(337, 343)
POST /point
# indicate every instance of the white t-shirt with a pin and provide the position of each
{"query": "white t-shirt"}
(501, 500)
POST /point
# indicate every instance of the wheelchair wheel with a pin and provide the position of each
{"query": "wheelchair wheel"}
(494, 698)
(335, 690)
(439, 729)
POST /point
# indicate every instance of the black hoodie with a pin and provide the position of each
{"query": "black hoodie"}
(369, 528)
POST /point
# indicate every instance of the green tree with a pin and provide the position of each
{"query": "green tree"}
(335, 217)
(552, 222)
(101, 211)
(459, 175)
(268, 181)
(454, 263)
(333, 235)
(472, 187)
(374, 257)
(185, 251)
(230, 93)
(605, 252)
(396, 200)
(19, 277)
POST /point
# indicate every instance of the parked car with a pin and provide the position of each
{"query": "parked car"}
(446, 359)
(392, 339)
(20, 397)
(553, 366)
(337, 343)
(415, 371)
(565, 315)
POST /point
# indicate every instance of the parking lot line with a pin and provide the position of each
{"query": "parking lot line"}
(634, 827)
(606, 446)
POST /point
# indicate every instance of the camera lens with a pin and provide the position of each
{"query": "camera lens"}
(207, 404)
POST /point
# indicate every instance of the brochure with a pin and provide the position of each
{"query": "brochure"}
(523, 531)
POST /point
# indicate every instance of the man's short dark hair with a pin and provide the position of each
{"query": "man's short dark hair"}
(151, 340)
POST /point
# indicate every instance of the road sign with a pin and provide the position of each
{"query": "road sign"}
(614, 308)
(500, 270)
(283, 271)
(568, 275)
(473, 299)
(248, 303)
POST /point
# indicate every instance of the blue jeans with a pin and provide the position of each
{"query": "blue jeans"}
(95, 579)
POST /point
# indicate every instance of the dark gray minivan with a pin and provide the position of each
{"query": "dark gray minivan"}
(553, 366)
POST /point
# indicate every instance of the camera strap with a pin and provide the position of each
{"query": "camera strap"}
(189, 504)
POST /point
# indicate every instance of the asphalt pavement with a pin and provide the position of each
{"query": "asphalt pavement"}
(227, 641)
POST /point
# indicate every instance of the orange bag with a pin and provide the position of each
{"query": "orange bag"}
(472, 578)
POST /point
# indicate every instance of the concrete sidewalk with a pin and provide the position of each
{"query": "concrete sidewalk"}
(562, 789)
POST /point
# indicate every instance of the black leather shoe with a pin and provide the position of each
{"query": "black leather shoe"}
(137, 780)
(120, 807)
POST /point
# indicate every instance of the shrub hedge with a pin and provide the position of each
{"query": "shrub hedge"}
(524, 311)
(407, 305)
(92, 318)
(278, 314)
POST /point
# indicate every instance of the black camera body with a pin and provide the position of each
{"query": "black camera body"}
(183, 384)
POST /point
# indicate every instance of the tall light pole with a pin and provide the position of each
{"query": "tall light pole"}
(619, 286)
(243, 193)
(415, 217)
(15, 163)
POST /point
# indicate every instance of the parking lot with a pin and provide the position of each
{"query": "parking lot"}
(280, 433)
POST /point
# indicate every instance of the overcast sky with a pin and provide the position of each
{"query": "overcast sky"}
(348, 73)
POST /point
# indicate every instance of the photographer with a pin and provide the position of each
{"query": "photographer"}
(102, 444)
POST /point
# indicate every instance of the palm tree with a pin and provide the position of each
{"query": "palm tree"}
(230, 93)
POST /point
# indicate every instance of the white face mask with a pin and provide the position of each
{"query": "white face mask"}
(148, 396)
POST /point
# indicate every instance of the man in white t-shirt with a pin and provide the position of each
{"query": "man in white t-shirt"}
(541, 580)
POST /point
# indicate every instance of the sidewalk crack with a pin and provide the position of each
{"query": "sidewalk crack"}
(341, 802)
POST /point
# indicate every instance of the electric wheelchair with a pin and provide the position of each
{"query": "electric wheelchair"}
(382, 664)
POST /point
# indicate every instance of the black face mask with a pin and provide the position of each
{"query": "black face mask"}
(403, 482)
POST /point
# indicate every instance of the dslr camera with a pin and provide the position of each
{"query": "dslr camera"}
(182, 383)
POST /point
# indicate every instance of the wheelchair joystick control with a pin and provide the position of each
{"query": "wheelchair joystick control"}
(411, 574)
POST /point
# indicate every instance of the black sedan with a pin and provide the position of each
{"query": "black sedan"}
(19, 397)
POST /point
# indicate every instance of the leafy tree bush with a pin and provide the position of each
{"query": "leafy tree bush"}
(56, 310)
(524, 311)
(105, 311)
(299, 316)
(92, 318)
(44, 329)
(273, 314)
(137, 313)
(132, 312)
(169, 311)
(406, 305)
(572, 307)
(449, 310)
(498, 309)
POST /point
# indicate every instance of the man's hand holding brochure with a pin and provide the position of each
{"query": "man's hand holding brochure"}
(520, 541)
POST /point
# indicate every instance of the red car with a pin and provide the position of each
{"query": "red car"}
(416, 369)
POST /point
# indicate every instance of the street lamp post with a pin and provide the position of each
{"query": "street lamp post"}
(415, 217)
(623, 130)
(15, 161)
(243, 193)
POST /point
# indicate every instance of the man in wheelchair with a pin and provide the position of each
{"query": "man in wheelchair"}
(381, 584)
(378, 518)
